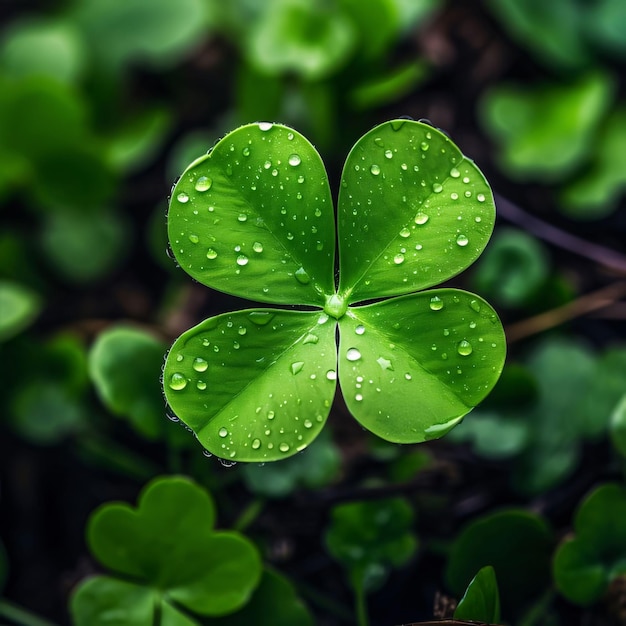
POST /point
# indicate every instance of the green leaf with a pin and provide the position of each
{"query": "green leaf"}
(618, 426)
(522, 565)
(124, 365)
(455, 363)
(597, 190)
(481, 601)
(277, 377)
(19, 306)
(307, 38)
(371, 538)
(315, 467)
(546, 132)
(513, 268)
(105, 601)
(179, 557)
(585, 565)
(254, 218)
(413, 212)
(274, 603)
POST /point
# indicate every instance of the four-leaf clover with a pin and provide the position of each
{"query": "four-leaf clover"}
(255, 218)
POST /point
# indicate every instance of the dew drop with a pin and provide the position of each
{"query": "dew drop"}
(399, 258)
(257, 246)
(462, 241)
(201, 385)
(388, 154)
(437, 187)
(242, 260)
(211, 254)
(222, 432)
(408, 376)
(294, 160)
(331, 375)
(182, 197)
(353, 354)
(360, 329)
(246, 151)
(265, 126)
(200, 364)
(297, 367)
(310, 338)
(454, 173)
(203, 183)
(177, 381)
(384, 363)
(242, 217)
(358, 397)
(271, 415)
(302, 277)
(194, 238)
(256, 444)
(284, 447)
(260, 318)
(475, 305)
(436, 303)
(464, 348)
(375, 169)
(480, 197)
(405, 232)
(308, 423)
(424, 146)
(421, 218)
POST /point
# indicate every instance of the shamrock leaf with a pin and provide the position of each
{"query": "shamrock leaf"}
(254, 218)
(169, 562)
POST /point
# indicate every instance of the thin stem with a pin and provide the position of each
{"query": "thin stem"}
(604, 256)
(249, 514)
(581, 306)
(361, 606)
(21, 616)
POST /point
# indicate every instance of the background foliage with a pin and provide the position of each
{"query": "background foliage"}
(102, 106)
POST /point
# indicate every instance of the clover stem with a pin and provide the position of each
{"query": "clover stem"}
(19, 615)
(361, 605)
(249, 514)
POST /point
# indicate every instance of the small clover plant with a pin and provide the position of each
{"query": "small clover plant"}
(255, 218)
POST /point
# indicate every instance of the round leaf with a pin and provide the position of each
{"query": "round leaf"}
(124, 364)
(254, 218)
(19, 306)
(411, 367)
(413, 212)
(254, 385)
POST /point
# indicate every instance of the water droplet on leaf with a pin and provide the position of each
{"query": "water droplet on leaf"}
(436, 303)
(177, 381)
(203, 183)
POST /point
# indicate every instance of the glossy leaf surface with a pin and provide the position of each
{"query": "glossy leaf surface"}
(254, 385)
(442, 348)
(481, 601)
(255, 218)
(585, 564)
(413, 212)
(179, 557)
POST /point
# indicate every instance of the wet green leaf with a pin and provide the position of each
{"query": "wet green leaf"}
(481, 601)
(277, 373)
(413, 212)
(273, 603)
(618, 426)
(254, 218)
(124, 365)
(585, 564)
(451, 369)
(19, 307)
(546, 132)
(517, 544)
(371, 538)
(177, 561)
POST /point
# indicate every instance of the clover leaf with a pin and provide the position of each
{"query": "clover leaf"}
(585, 564)
(481, 601)
(254, 218)
(169, 558)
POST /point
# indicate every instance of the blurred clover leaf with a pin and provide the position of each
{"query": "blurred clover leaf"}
(618, 426)
(546, 132)
(254, 218)
(19, 306)
(481, 601)
(370, 539)
(585, 565)
(168, 559)
(522, 566)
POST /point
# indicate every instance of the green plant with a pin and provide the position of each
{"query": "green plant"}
(254, 218)
(585, 565)
(481, 600)
(168, 560)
